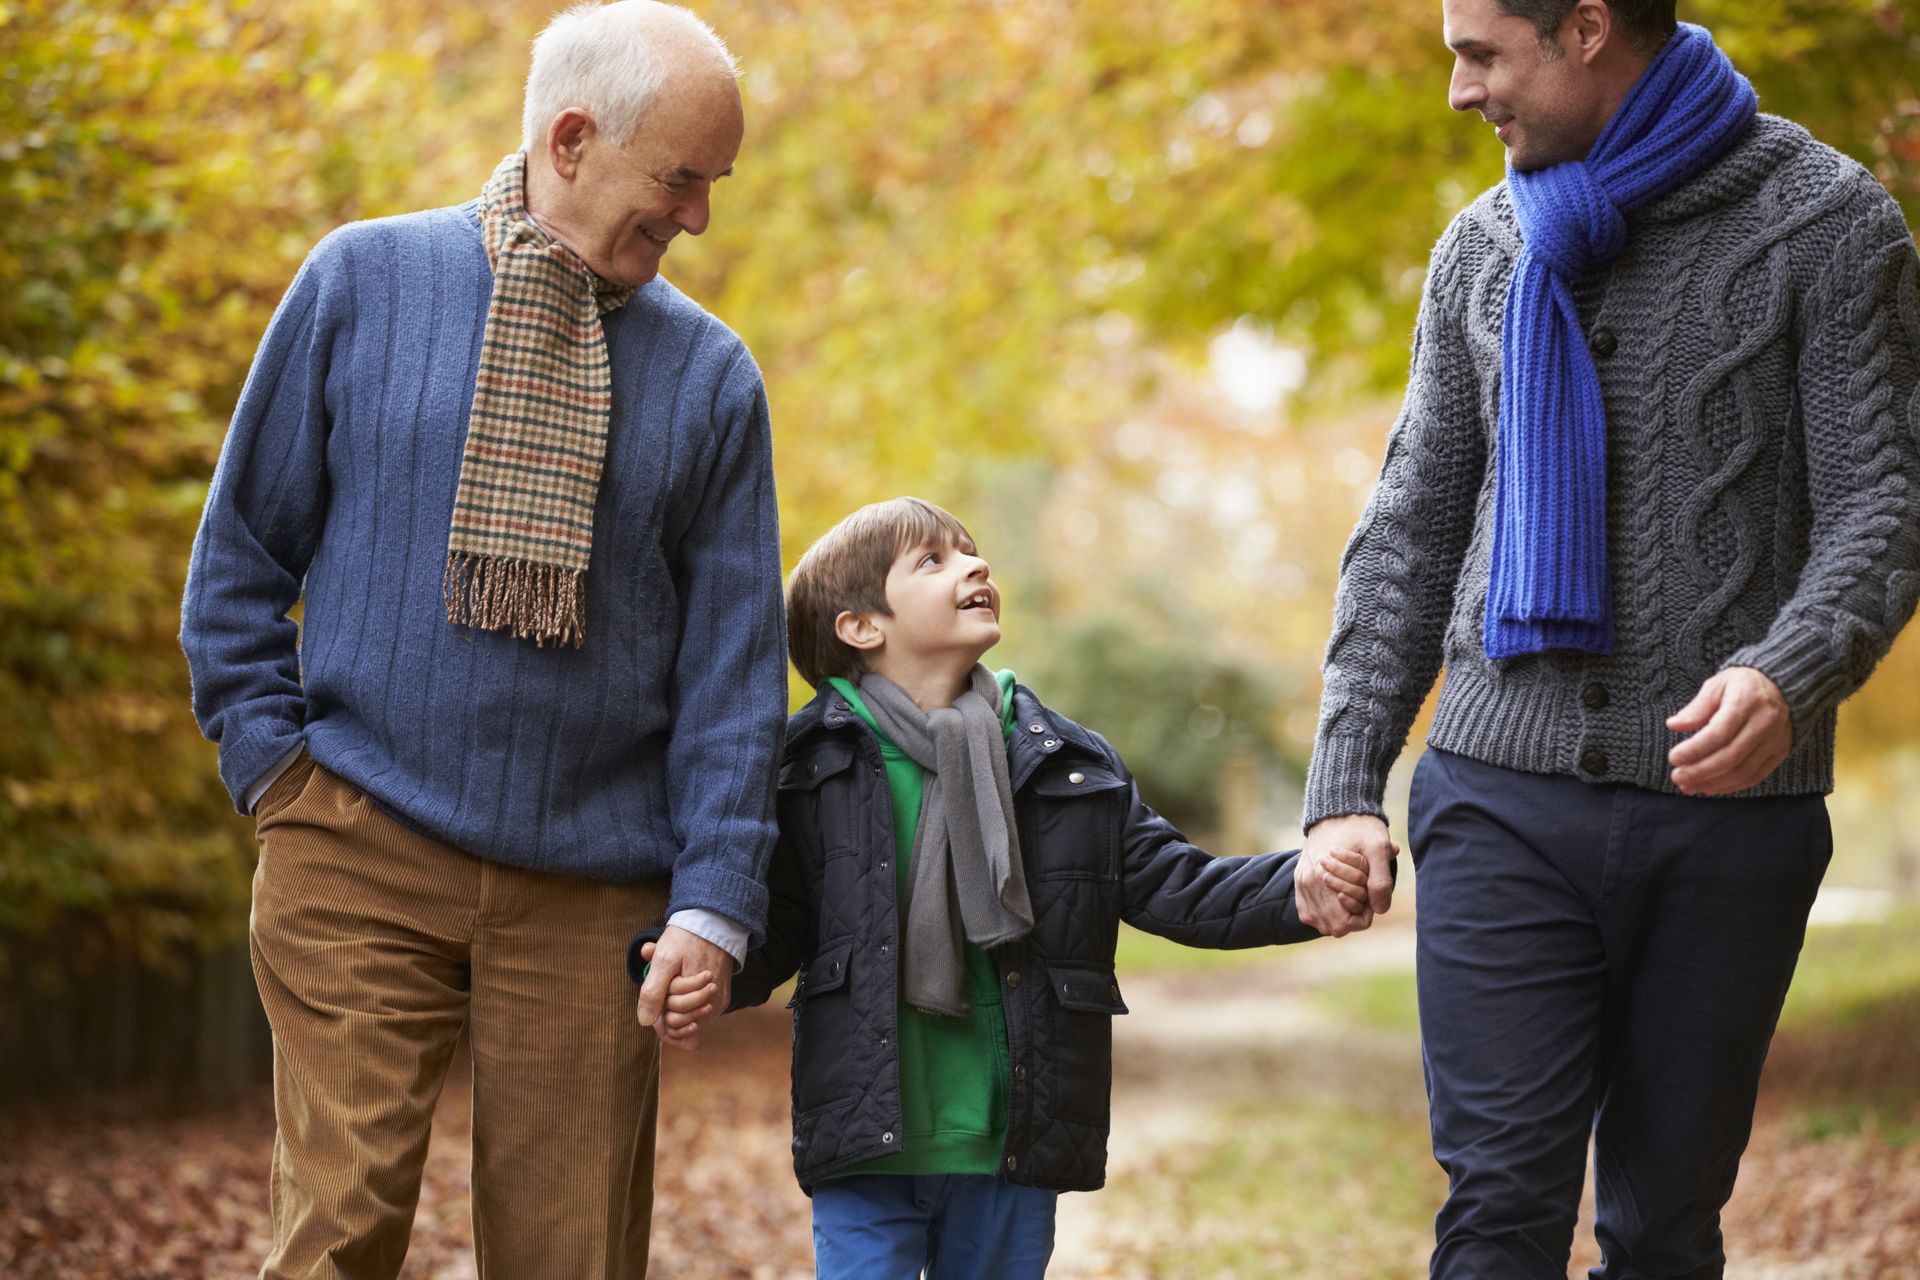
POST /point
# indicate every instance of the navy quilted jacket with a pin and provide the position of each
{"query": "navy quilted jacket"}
(1094, 855)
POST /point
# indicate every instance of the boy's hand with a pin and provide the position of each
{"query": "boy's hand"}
(1320, 902)
(1345, 872)
(689, 999)
(686, 956)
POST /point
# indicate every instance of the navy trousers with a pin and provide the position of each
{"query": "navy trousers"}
(1598, 961)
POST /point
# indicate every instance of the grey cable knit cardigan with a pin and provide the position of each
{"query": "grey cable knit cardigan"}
(1758, 345)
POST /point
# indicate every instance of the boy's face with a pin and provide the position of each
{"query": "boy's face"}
(944, 605)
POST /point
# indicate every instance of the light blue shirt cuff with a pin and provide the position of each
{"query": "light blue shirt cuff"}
(715, 928)
(270, 777)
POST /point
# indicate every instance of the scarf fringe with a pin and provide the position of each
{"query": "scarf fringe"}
(537, 602)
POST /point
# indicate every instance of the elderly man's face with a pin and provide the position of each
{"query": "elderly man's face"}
(625, 204)
(1545, 110)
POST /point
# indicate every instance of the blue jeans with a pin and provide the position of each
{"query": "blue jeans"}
(1604, 962)
(947, 1226)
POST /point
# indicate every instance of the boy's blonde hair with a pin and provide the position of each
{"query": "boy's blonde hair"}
(845, 571)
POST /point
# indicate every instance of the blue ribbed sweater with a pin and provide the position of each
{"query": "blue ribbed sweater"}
(649, 751)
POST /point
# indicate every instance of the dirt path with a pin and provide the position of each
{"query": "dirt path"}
(1189, 1059)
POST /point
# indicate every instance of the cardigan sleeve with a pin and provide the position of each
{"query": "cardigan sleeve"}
(1398, 572)
(1859, 382)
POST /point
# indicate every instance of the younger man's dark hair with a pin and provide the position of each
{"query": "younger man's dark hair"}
(846, 572)
(1646, 23)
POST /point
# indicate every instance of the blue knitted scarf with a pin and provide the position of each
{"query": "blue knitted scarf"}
(1549, 587)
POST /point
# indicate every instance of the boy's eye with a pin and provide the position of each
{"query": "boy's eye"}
(932, 557)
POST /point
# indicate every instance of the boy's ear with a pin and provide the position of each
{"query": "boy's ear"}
(858, 630)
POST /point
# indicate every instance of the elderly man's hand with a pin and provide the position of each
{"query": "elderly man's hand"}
(687, 956)
(1741, 730)
(1322, 902)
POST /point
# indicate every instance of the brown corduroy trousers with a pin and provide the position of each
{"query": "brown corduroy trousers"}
(373, 947)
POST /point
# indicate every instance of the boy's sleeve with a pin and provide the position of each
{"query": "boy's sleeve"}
(1172, 888)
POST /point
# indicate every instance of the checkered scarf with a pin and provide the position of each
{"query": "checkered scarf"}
(537, 436)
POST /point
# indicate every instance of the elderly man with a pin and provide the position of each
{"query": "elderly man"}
(1654, 500)
(524, 490)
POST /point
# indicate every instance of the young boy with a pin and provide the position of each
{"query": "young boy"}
(954, 862)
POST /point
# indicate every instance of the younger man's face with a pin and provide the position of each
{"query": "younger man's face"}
(943, 603)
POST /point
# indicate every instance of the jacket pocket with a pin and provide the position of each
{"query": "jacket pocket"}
(826, 972)
(807, 772)
(1075, 811)
(823, 1024)
(1085, 1002)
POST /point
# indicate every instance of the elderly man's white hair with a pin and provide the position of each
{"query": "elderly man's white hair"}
(606, 60)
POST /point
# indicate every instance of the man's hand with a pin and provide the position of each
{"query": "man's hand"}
(1741, 731)
(1322, 892)
(677, 1010)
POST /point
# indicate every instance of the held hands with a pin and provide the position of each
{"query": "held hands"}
(1741, 731)
(1344, 878)
(689, 982)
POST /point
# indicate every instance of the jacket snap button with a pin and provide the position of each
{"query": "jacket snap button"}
(1013, 979)
(1076, 777)
(884, 948)
(883, 864)
(1066, 988)
(1036, 728)
(1013, 1163)
(1020, 1071)
(813, 771)
(883, 1042)
(1050, 744)
(887, 1136)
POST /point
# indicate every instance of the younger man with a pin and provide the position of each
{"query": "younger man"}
(954, 862)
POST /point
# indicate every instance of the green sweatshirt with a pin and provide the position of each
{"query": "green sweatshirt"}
(954, 1074)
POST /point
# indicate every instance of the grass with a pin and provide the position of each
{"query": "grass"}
(1847, 972)
(1382, 1001)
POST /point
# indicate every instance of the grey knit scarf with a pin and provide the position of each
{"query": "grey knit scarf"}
(966, 871)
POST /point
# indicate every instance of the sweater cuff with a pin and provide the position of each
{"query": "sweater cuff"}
(707, 887)
(250, 757)
(1345, 776)
(1800, 660)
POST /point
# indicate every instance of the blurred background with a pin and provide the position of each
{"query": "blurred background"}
(1127, 287)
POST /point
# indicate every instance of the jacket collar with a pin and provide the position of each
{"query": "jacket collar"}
(1038, 731)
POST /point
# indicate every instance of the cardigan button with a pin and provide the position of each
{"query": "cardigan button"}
(1595, 697)
(1603, 342)
(1595, 762)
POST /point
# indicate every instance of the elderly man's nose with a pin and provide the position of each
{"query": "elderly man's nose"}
(692, 215)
